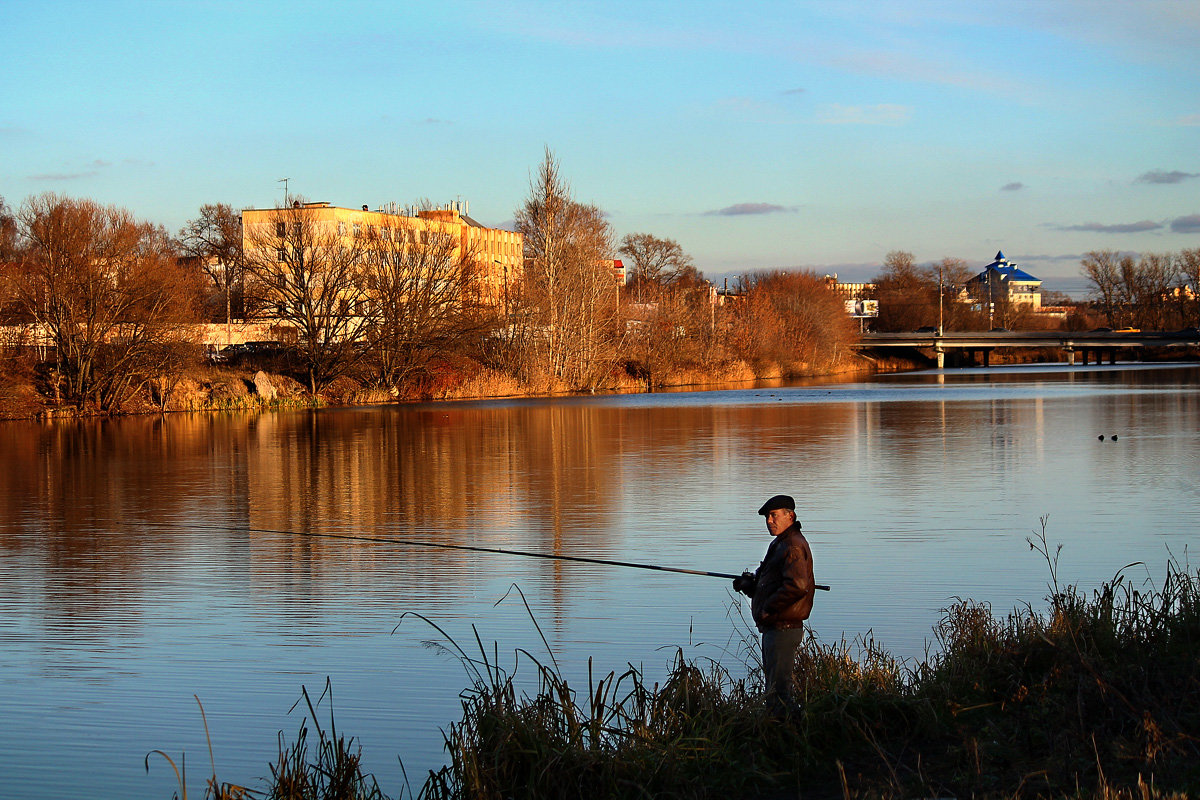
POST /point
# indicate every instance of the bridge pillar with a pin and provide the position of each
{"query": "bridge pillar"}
(987, 356)
(941, 357)
(1070, 351)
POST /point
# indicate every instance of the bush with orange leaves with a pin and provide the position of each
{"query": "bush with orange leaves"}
(789, 323)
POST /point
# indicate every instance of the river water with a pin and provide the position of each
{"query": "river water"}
(131, 585)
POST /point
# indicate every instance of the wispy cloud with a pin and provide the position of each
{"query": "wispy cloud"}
(883, 114)
(1162, 176)
(1188, 120)
(1124, 227)
(1188, 224)
(434, 121)
(749, 209)
(793, 92)
(62, 176)
(89, 170)
(1015, 186)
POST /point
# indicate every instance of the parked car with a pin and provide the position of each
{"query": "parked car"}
(926, 329)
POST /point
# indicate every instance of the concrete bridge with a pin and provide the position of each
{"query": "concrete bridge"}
(976, 346)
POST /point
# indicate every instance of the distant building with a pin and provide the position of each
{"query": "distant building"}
(1003, 280)
(850, 291)
(497, 256)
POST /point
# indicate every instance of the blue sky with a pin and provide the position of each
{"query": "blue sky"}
(756, 134)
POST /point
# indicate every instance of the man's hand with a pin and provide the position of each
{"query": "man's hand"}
(744, 583)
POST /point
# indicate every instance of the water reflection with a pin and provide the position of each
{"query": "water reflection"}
(139, 565)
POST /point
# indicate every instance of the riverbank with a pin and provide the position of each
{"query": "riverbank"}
(1096, 696)
(260, 385)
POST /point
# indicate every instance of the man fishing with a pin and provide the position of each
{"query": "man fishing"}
(781, 598)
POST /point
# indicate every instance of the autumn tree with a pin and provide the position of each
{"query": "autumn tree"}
(108, 291)
(417, 280)
(791, 319)
(213, 240)
(312, 277)
(571, 293)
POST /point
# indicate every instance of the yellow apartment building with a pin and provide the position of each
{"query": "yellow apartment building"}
(495, 256)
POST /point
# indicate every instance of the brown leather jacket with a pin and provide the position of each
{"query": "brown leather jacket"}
(783, 583)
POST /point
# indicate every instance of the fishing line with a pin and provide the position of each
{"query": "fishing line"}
(471, 548)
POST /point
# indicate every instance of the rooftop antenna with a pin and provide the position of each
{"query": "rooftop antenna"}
(284, 181)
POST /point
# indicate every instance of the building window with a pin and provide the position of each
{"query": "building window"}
(281, 229)
(341, 229)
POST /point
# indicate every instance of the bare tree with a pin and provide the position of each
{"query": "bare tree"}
(8, 265)
(8, 233)
(109, 292)
(671, 331)
(907, 297)
(417, 281)
(1187, 268)
(655, 261)
(1149, 286)
(571, 290)
(950, 275)
(314, 278)
(1102, 270)
(214, 240)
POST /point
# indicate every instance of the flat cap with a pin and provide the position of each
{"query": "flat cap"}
(778, 501)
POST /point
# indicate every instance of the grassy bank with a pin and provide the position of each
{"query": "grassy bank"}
(254, 386)
(1097, 695)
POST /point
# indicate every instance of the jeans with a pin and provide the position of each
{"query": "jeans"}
(779, 661)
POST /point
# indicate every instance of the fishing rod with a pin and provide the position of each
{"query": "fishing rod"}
(474, 549)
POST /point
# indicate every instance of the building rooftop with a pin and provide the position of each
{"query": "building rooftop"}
(1007, 270)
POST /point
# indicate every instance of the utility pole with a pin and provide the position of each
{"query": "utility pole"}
(941, 328)
(284, 181)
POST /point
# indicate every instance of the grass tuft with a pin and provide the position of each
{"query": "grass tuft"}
(1097, 696)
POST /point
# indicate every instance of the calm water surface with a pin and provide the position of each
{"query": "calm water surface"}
(127, 589)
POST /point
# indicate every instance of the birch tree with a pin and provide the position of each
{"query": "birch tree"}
(572, 292)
